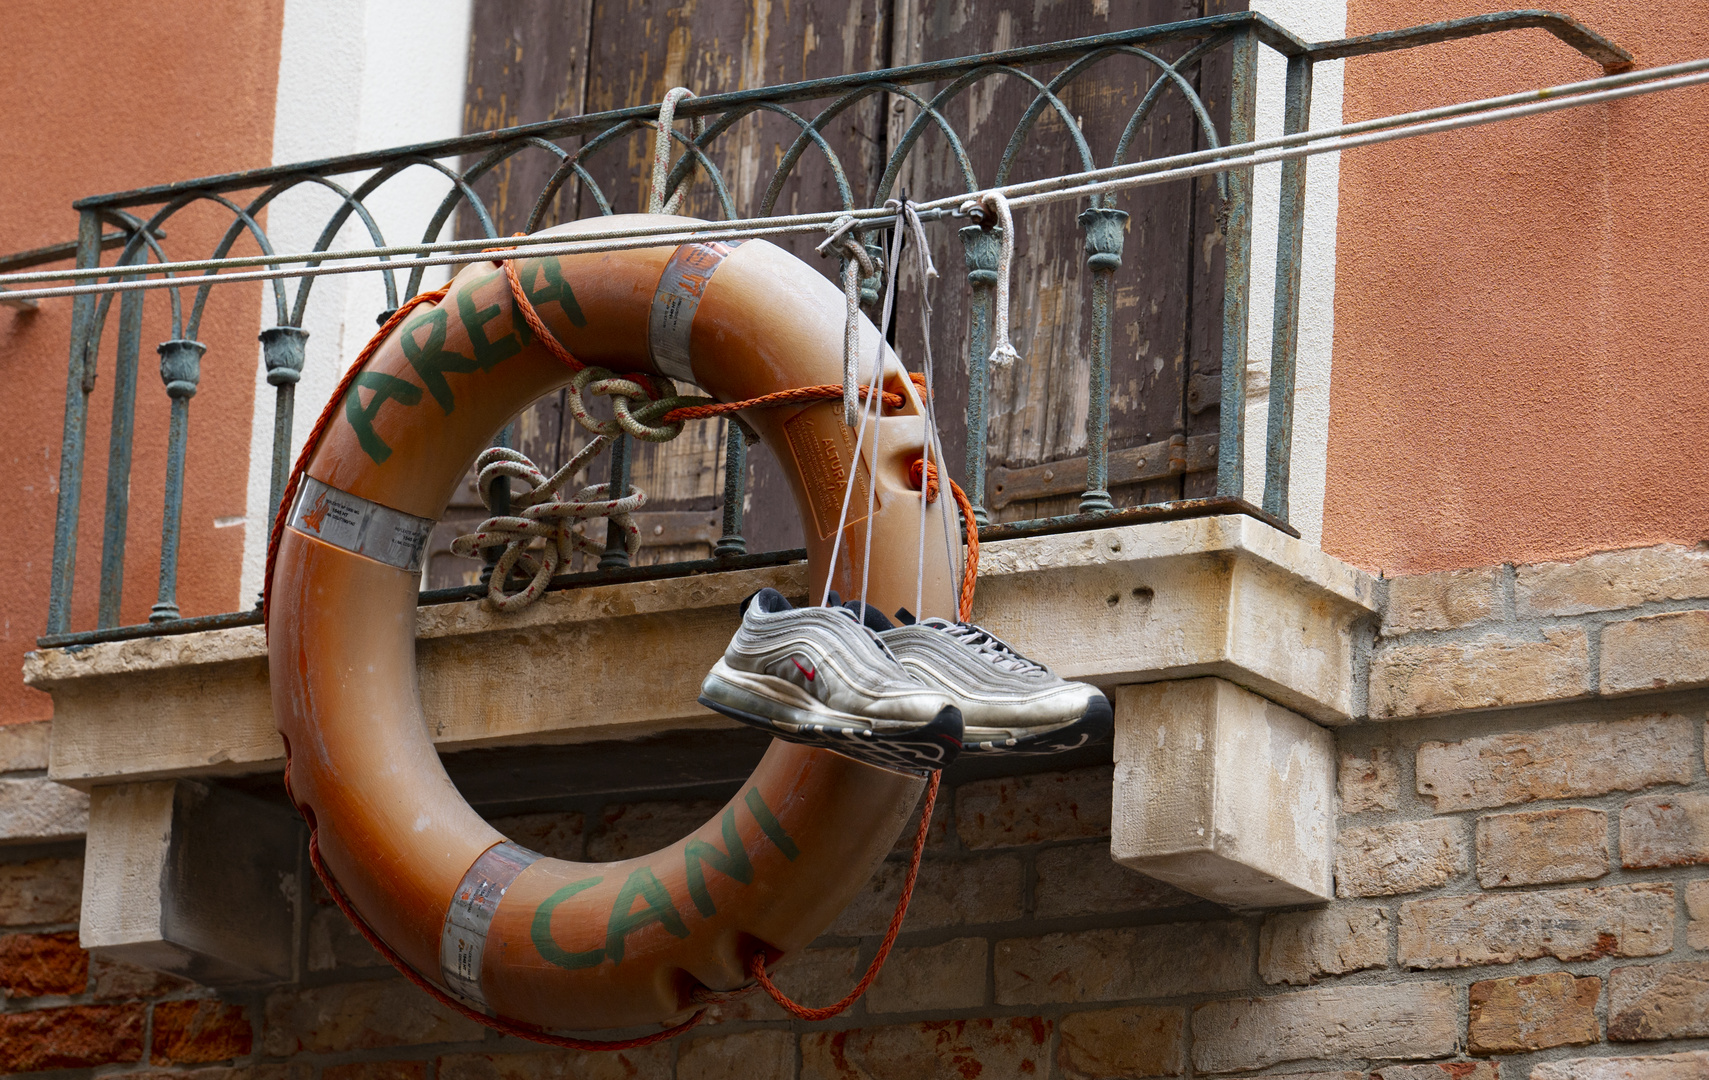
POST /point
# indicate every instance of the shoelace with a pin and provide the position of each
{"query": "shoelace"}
(867, 630)
(993, 649)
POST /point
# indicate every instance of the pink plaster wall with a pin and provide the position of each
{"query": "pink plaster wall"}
(102, 97)
(1522, 310)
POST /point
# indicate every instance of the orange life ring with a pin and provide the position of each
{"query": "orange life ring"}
(538, 941)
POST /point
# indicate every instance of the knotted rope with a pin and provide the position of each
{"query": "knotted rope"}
(984, 207)
(541, 515)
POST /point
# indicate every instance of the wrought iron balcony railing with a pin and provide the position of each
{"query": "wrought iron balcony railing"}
(1163, 67)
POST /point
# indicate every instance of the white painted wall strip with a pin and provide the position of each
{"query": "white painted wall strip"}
(1312, 20)
(354, 75)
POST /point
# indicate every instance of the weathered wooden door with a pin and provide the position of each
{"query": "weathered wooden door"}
(535, 60)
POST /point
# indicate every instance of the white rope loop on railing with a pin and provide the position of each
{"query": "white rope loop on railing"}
(656, 203)
(542, 516)
(995, 204)
(857, 264)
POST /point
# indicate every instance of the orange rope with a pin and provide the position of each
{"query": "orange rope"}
(756, 966)
(796, 396)
(970, 569)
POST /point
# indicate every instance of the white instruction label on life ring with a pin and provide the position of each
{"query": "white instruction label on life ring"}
(356, 524)
(463, 941)
(677, 299)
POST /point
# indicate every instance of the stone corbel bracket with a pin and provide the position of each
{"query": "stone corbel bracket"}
(1224, 785)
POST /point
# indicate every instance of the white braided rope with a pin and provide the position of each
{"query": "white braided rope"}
(662, 153)
(541, 516)
(996, 204)
(857, 264)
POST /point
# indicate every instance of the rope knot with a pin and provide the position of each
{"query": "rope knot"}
(639, 403)
(539, 536)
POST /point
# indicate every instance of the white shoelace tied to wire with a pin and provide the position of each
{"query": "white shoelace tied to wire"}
(997, 204)
(539, 512)
(928, 273)
(870, 416)
(656, 203)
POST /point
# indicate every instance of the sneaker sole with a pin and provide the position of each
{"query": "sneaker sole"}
(929, 747)
(1093, 725)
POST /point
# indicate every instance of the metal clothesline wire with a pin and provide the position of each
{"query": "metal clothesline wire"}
(1020, 195)
(880, 216)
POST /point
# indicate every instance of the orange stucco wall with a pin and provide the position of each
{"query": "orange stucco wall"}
(1521, 369)
(102, 97)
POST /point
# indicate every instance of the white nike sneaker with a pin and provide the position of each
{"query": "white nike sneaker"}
(1008, 703)
(816, 676)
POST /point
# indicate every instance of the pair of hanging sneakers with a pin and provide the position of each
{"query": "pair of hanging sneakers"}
(906, 697)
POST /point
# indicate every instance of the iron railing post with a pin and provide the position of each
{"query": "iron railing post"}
(497, 498)
(79, 381)
(871, 287)
(282, 350)
(120, 443)
(1237, 273)
(1105, 230)
(181, 371)
(616, 556)
(1285, 340)
(735, 490)
(979, 248)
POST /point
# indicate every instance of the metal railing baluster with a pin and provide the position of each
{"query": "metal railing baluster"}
(1285, 342)
(497, 498)
(735, 490)
(79, 381)
(119, 446)
(979, 248)
(616, 556)
(1105, 230)
(282, 350)
(1237, 279)
(181, 371)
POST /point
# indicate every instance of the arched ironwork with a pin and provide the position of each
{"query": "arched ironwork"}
(1174, 55)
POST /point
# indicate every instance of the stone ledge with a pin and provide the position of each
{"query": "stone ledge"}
(35, 810)
(1226, 596)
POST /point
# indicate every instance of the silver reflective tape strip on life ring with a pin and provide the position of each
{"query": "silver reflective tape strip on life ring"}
(355, 524)
(463, 941)
(677, 299)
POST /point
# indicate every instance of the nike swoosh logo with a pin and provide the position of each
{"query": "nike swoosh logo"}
(810, 673)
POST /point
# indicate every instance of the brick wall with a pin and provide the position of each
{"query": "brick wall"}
(1522, 882)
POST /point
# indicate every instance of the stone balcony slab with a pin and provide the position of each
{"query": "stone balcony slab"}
(1224, 596)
